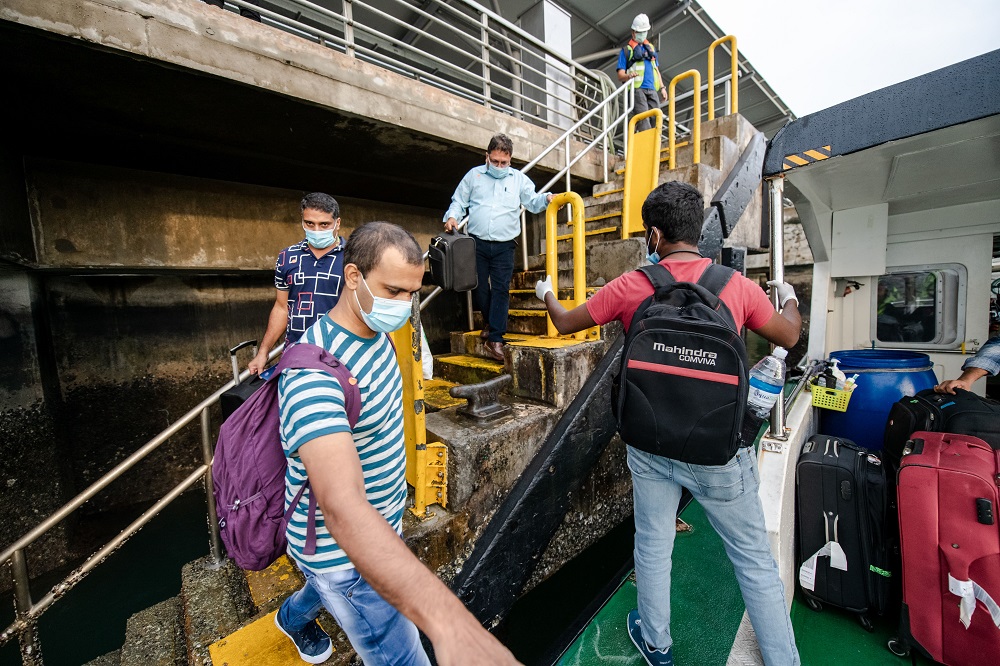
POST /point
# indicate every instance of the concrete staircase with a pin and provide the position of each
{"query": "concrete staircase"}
(225, 616)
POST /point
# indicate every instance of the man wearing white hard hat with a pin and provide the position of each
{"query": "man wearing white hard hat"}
(637, 63)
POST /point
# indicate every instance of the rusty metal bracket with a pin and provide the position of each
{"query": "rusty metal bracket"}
(484, 399)
(431, 485)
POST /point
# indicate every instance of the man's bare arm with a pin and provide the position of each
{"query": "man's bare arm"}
(277, 322)
(964, 381)
(385, 562)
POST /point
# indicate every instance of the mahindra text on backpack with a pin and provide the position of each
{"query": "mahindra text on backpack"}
(682, 388)
(249, 467)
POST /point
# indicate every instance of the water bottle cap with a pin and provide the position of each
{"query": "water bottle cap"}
(779, 352)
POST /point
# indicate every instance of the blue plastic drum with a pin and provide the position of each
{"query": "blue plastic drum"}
(884, 376)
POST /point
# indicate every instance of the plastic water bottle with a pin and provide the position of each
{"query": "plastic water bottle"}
(766, 380)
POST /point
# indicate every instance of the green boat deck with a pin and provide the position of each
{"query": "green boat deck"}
(708, 609)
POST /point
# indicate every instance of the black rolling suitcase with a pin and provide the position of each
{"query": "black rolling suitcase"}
(840, 512)
(453, 261)
(236, 396)
(964, 413)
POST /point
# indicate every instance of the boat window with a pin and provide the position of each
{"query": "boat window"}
(920, 306)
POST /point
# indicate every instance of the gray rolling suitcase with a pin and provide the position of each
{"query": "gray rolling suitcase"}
(452, 257)
(236, 396)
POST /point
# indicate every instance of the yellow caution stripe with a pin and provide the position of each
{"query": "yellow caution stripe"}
(806, 157)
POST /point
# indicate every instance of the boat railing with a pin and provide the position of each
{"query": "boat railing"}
(458, 46)
(27, 610)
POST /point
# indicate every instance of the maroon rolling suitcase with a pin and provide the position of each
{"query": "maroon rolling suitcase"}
(948, 500)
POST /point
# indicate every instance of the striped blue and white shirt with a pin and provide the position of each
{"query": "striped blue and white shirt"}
(312, 405)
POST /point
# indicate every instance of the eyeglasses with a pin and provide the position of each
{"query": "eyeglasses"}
(500, 164)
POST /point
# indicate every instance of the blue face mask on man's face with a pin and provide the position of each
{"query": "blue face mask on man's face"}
(497, 172)
(653, 256)
(387, 315)
(321, 239)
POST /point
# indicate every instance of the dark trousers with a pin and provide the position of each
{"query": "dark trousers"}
(494, 268)
(645, 99)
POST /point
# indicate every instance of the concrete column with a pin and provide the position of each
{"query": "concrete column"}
(551, 24)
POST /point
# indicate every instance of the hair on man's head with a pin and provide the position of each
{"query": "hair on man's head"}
(677, 210)
(322, 202)
(502, 143)
(370, 241)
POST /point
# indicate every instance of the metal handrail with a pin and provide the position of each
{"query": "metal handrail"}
(27, 612)
(696, 120)
(609, 125)
(477, 73)
(734, 68)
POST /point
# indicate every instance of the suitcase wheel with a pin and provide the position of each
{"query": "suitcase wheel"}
(866, 624)
(898, 647)
(815, 605)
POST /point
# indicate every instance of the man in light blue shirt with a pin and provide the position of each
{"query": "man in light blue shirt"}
(492, 195)
(985, 362)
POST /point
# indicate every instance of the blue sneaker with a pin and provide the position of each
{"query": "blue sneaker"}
(314, 644)
(652, 657)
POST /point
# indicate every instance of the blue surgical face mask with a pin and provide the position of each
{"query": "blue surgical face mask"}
(652, 256)
(387, 315)
(497, 172)
(320, 239)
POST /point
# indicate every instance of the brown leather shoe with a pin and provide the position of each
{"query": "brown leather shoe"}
(484, 334)
(494, 350)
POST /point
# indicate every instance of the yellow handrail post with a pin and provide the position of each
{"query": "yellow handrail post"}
(696, 124)
(426, 464)
(642, 169)
(733, 75)
(579, 256)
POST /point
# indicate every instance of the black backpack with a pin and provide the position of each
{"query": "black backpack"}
(682, 388)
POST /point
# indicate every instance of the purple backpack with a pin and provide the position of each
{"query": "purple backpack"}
(250, 464)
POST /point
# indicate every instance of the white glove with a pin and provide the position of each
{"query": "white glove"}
(543, 287)
(785, 292)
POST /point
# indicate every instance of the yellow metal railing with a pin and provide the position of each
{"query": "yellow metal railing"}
(579, 257)
(426, 464)
(733, 76)
(642, 169)
(696, 120)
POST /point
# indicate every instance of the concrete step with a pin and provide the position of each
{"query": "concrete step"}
(529, 322)
(470, 343)
(436, 396)
(261, 643)
(466, 369)
(216, 602)
(525, 299)
(268, 588)
(155, 636)
(109, 659)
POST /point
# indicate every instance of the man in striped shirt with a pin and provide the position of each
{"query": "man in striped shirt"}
(362, 572)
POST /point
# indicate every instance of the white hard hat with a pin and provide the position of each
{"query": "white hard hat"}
(640, 23)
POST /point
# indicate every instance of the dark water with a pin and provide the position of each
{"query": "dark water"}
(90, 620)
(540, 619)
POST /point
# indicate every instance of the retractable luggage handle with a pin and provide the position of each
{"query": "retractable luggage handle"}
(232, 357)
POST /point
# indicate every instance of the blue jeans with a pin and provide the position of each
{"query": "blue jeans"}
(381, 635)
(728, 494)
(494, 268)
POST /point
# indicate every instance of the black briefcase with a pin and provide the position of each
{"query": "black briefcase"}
(236, 396)
(453, 261)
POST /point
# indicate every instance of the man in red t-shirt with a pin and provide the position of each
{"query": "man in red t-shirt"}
(672, 216)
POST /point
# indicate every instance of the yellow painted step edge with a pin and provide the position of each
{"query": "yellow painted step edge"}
(604, 194)
(259, 643)
(595, 232)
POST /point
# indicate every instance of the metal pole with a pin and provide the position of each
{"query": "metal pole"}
(524, 241)
(349, 27)
(775, 188)
(31, 651)
(213, 515)
(468, 302)
(486, 59)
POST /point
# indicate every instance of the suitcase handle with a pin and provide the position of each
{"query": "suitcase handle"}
(232, 357)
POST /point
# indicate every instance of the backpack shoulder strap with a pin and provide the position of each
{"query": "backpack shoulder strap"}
(306, 356)
(716, 277)
(659, 276)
